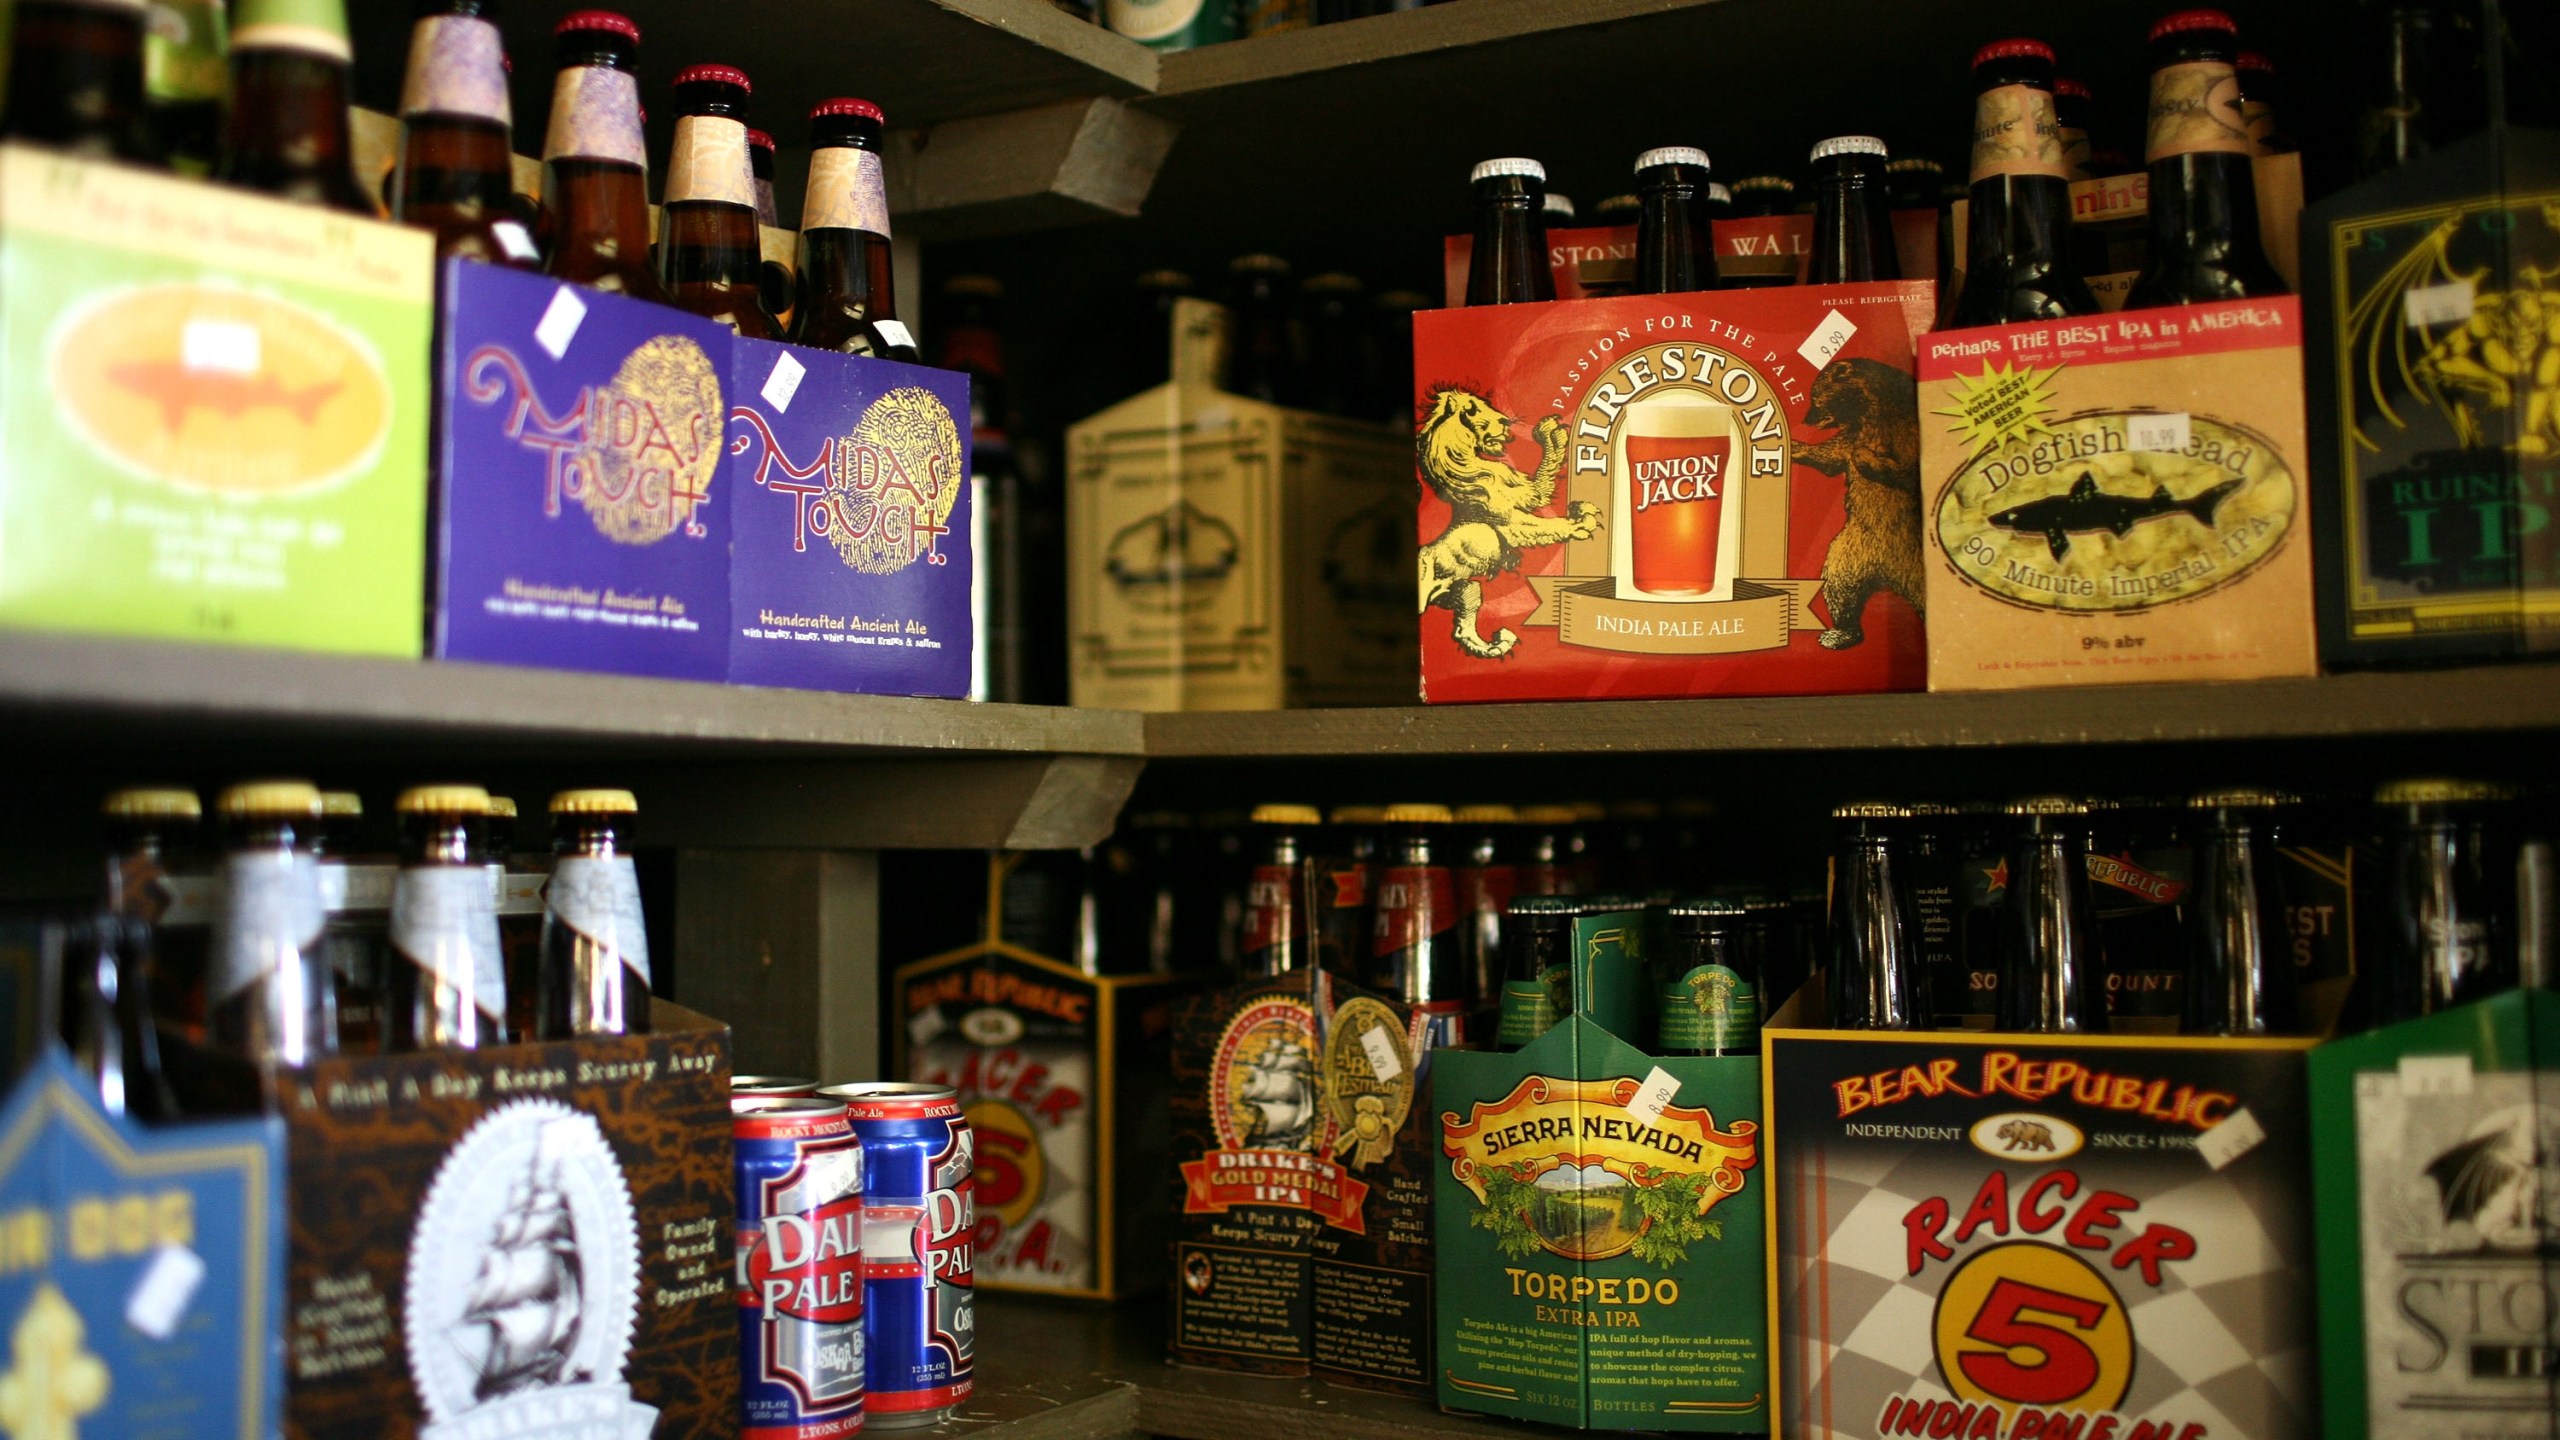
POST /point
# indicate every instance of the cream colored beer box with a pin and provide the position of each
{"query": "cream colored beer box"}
(2117, 498)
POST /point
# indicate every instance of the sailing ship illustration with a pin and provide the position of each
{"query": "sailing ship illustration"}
(520, 1320)
(1276, 1096)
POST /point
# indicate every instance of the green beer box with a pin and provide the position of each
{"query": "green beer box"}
(1600, 1220)
(2436, 1150)
(213, 412)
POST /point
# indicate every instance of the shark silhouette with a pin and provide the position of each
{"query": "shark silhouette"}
(2085, 509)
(176, 390)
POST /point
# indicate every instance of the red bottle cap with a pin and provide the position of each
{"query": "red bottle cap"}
(714, 75)
(845, 105)
(604, 20)
(2072, 88)
(759, 139)
(2019, 49)
(2193, 20)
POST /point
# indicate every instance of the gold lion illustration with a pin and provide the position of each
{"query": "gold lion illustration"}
(1493, 509)
(2509, 351)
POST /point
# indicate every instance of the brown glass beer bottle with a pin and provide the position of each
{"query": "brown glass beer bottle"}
(1675, 248)
(848, 291)
(2052, 974)
(455, 124)
(595, 186)
(710, 255)
(2204, 241)
(1852, 221)
(75, 78)
(268, 996)
(2017, 252)
(287, 133)
(1873, 975)
(595, 947)
(447, 985)
(1509, 263)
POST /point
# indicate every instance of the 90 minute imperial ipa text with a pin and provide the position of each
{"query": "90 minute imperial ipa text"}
(1676, 450)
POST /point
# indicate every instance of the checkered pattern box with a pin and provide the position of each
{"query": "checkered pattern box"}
(2020, 1236)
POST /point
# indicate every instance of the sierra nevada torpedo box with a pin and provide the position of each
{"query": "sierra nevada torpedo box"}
(848, 515)
(1302, 1188)
(2436, 1144)
(213, 412)
(1058, 1073)
(1601, 1235)
(2117, 498)
(2004, 1237)
(1670, 495)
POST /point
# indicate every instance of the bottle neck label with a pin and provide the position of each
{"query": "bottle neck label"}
(2260, 117)
(270, 915)
(317, 40)
(442, 922)
(457, 66)
(848, 190)
(1415, 903)
(709, 162)
(1709, 1007)
(2075, 153)
(600, 899)
(2195, 110)
(1487, 889)
(2015, 133)
(1271, 912)
(595, 115)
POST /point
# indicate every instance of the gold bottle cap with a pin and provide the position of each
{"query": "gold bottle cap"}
(1547, 815)
(1287, 815)
(1869, 810)
(1416, 815)
(2046, 805)
(299, 799)
(502, 807)
(1357, 814)
(1928, 810)
(443, 800)
(1485, 815)
(2435, 790)
(2237, 798)
(341, 804)
(153, 804)
(595, 802)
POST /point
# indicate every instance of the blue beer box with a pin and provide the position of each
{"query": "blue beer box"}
(579, 461)
(849, 517)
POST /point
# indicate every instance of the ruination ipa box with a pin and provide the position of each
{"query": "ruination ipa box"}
(2435, 1145)
(2010, 1236)
(1671, 495)
(2117, 498)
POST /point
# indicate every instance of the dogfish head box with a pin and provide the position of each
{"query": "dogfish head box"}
(578, 459)
(1668, 495)
(849, 523)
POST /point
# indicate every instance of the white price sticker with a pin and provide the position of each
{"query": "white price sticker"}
(168, 1285)
(2446, 304)
(517, 241)
(2166, 433)
(560, 322)
(926, 1025)
(783, 383)
(1653, 1095)
(2435, 1074)
(896, 334)
(1386, 1057)
(222, 347)
(1828, 339)
(2237, 1135)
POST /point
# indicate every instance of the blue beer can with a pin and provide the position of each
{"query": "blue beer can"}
(919, 1213)
(800, 1277)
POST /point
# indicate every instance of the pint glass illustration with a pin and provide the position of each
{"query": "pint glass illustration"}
(1676, 452)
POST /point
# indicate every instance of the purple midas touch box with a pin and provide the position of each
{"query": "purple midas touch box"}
(849, 508)
(578, 465)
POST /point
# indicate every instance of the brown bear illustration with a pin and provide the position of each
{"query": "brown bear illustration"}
(1875, 411)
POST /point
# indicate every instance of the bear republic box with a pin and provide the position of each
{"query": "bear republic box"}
(213, 412)
(848, 522)
(1670, 495)
(1061, 1075)
(1225, 554)
(141, 1268)
(1302, 1189)
(1601, 1235)
(2434, 1145)
(2118, 498)
(2006, 1236)
(579, 523)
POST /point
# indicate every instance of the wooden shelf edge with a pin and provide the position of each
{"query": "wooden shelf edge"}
(1037, 22)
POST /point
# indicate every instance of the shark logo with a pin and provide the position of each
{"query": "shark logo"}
(2085, 509)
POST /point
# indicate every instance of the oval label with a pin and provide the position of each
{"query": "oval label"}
(2078, 520)
(219, 390)
(990, 1026)
(2025, 1135)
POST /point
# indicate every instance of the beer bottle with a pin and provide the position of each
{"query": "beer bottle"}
(1509, 263)
(1342, 352)
(287, 133)
(2051, 980)
(710, 257)
(595, 947)
(760, 165)
(1276, 939)
(1708, 999)
(153, 878)
(1763, 257)
(355, 896)
(2239, 978)
(1546, 861)
(1852, 224)
(847, 287)
(1915, 182)
(2537, 899)
(1558, 209)
(1613, 210)
(1873, 979)
(453, 177)
(186, 75)
(1346, 889)
(1982, 902)
(1936, 882)
(448, 981)
(1717, 203)
(1486, 881)
(2204, 241)
(1766, 946)
(2442, 928)
(1148, 341)
(2259, 98)
(516, 879)
(2138, 880)
(1675, 249)
(75, 78)
(2419, 92)
(1759, 197)
(93, 978)
(2073, 109)
(1537, 976)
(1413, 956)
(1262, 356)
(268, 996)
(595, 185)
(2017, 259)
